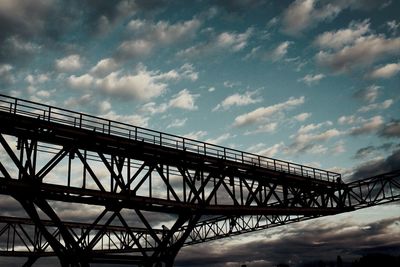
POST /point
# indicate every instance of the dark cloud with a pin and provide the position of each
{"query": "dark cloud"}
(27, 26)
(305, 242)
(379, 166)
(392, 129)
(368, 151)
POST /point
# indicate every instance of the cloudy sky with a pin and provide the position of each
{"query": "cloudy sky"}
(314, 82)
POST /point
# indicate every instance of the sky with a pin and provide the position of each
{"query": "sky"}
(310, 81)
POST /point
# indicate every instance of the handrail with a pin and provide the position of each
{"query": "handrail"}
(85, 121)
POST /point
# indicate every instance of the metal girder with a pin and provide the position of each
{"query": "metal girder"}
(211, 191)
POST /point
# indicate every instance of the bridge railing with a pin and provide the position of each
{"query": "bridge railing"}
(88, 122)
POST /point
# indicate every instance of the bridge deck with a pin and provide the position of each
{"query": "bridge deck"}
(15, 108)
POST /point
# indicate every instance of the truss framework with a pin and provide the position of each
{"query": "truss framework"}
(47, 160)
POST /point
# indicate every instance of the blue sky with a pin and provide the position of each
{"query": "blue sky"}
(314, 82)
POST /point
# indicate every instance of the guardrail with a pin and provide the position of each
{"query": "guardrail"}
(84, 121)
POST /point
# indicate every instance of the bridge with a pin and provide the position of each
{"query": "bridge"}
(131, 177)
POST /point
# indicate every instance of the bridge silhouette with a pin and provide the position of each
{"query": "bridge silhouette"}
(131, 175)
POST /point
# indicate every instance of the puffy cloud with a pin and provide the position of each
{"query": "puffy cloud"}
(393, 26)
(369, 126)
(69, 63)
(310, 79)
(162, 31)
(340, 38)
(148, 35)
(141, 84)
(6, 75)
(262, 113)
(377, 106)
(311, 127)
(368, 94)
(184, 100)
(302, 139)
(302, 116)
(104, 67)
(135, 48)
(386, 71)
(231, 41)
(304, 14)
(280, 51)
(36, 79)
(392, 129)
(84, 81)
(237, 100)
(362, 52)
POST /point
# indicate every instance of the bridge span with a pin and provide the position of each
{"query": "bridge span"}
(130, 177)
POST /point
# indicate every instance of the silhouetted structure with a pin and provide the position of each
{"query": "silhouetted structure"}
(212, 191)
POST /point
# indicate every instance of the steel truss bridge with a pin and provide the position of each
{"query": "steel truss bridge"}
(123, 180)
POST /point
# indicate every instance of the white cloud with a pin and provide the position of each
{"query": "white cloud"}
(364, 51)
(311, 127)
(238, 100)
(134, 119)
(340, 38)
(104, 67)
(227, 41)
(104, 106)
(211, 89)
(6, 75)
(147, 35)
(302, 116)
(80, 82)
(163, 31)
(265, 128)
(36, 79)
(262, 113)
(386, 71)
(184, 100)
(69, 63)
(143, 84)
(280, 51)
(310, 79)
(230, 84)
(369, 126)
(309, 141)
(135, 48)
(302, 14)
(195, 135)
(377, 106)
(177, 123)
(271, 151)
(349, 120)
(219, 139)
(368, 94)
(393, 26)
